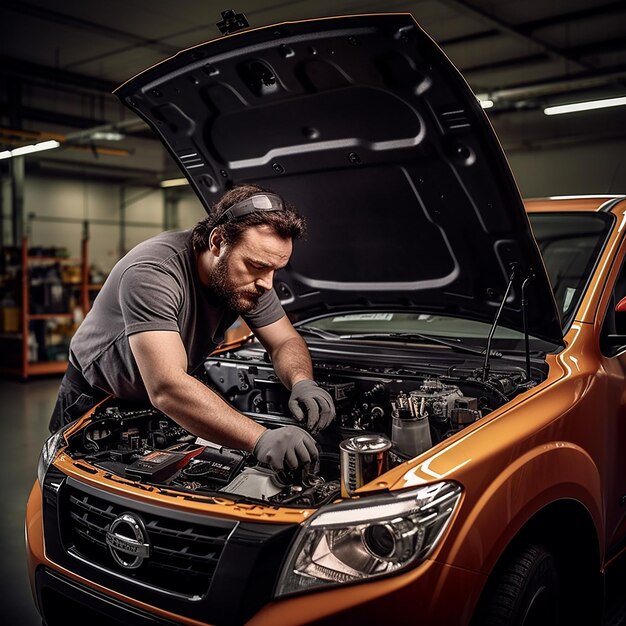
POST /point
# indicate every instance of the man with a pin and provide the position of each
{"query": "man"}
(167, 304)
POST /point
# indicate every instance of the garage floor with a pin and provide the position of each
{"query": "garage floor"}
(26, 409)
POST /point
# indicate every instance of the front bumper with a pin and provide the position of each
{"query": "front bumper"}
(433, 593)
(59, 597)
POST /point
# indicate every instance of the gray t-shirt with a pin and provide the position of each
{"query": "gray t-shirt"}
(155, 287)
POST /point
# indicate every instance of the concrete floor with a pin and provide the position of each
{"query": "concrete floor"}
(26, 409)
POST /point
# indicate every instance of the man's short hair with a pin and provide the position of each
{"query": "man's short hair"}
(287, 222)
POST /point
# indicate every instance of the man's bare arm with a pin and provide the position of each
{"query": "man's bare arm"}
(308, 402)
(289, 353)
(162, 362)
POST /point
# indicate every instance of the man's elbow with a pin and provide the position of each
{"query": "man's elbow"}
(163, 394)
(289, 344)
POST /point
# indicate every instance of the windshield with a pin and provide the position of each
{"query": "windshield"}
(570, 243)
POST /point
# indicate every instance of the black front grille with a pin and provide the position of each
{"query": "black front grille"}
(208, 568)
(184, 554)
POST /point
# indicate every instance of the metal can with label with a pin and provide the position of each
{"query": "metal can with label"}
(363, 458)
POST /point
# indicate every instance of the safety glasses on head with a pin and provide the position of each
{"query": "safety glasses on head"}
(256, 203)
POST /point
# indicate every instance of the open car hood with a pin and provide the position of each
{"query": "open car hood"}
(364, 125)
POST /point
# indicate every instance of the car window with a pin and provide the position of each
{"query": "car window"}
(570, 244)
(613, 335)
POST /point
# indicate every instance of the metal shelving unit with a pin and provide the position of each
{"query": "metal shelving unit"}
(28, 368)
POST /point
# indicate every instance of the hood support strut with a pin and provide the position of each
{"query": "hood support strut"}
(525, 324)
(515, 270)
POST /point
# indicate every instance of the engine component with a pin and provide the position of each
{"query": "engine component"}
(130, 438)
(415, 407)
(340, 391)
(464, 412)
(215, 464)
(255, 482)
(433, 397)
(362, 459)
(410, 435)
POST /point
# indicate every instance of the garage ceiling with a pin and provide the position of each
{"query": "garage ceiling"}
(60, 61)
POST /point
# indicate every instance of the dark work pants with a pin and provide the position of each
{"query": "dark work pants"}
(76, 397)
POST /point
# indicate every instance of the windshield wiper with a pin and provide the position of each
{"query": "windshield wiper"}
(318, 332)
(450, 343)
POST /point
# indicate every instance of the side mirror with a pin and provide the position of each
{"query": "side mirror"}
(612, 343)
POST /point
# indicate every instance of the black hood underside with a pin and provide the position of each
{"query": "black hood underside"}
(364, 125)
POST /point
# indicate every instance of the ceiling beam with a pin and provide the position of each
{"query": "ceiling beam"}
(562, 84)
(606, 46)
(463, 39)
(462, 6)
(531, 59)
(92, 171)
(50, 16)
(28, 71)
(527, 145)
(526, 28)
(599, 10)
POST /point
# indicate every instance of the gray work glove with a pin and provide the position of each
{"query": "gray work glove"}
(286, 448)
(310, 402)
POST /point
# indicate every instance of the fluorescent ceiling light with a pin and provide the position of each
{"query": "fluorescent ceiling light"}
(174, 182)
(110, 135)
(34, 147)
(585, 106)
(485, 101)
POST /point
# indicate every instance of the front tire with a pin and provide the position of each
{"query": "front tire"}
(524, 592)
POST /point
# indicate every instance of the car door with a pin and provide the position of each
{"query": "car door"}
(613, 367)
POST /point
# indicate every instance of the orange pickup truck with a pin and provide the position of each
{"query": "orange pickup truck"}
(474, 347)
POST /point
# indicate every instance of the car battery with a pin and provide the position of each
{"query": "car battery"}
(215, 464)
(159, 465)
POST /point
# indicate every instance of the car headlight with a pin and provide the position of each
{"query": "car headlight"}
(377, 535)
(48, 452)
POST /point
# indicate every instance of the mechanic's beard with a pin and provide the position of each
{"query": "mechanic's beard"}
(237, 299)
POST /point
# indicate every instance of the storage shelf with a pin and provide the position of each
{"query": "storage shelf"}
(28, 368)
(47, 367)
(55, 259)
(49, 316)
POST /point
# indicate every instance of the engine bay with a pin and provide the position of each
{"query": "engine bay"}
(385, 415)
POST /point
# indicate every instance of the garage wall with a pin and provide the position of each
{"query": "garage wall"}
(190, 210)
(76, 201)
(571, 169)
(55, 210)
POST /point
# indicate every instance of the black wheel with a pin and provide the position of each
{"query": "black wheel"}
(524, 592)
